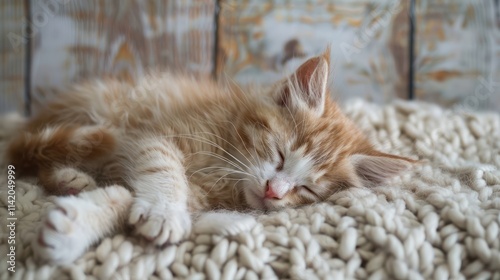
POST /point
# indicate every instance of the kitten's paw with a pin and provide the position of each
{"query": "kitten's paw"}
(113, 197)
(159, 223)
(224, 223)
(79, 221)
(60, 238)
(71, 181)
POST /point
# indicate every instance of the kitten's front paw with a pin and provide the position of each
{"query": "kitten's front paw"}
(160, 223)
(224, 223)
(72, 181)
(79, 221)
(60, 238)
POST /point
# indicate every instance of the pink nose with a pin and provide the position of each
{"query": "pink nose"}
(270, 192)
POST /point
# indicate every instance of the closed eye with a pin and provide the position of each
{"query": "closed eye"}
(282, 161)
(309, 190)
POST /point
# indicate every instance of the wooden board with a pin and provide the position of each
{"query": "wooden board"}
(98, 38)
(458, 53)
(259, 40)
(457, 45)
(12, 55)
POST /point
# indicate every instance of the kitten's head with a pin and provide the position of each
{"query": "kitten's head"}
(299, 148)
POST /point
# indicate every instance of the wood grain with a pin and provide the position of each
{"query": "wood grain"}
(125, 39)
(458, 53)
(259, 40)
(457, 45)
(12, 55)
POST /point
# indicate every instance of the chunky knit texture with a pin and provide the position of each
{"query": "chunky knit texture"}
(439, 221)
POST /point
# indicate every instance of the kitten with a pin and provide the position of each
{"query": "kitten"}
(184, 146)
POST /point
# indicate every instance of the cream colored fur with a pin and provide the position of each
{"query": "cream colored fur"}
(182, 146)
(439, 221)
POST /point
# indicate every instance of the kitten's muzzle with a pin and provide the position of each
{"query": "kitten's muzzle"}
(276, 188)
(270, 193)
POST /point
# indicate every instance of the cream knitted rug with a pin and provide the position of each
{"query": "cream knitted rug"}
(439, 221)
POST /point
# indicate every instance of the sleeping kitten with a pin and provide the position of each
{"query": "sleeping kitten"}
(184, 146)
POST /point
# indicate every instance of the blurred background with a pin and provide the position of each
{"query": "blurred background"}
(441, 51)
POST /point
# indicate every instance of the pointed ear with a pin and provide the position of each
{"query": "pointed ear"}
(373, 170)
(307, 86)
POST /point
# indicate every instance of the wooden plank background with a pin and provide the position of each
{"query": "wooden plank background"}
(98, 38)
(458, 53)
(12, 52)
(369, 39)
(457, 60)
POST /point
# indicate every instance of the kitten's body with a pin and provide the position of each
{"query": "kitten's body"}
(196, 116)
(185, 145)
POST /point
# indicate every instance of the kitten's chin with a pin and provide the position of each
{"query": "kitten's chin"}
(254, 201)
(272, 205)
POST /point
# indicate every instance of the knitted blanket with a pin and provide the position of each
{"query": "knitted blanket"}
(441, 220)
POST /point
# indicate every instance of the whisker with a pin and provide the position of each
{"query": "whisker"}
(242, 142)
(220, 158)
(219, 168)
(213, 134)
(258, 158)
(224, 150)
(212, 187)
(206, 141)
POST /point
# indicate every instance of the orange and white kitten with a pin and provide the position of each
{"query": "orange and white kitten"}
(184, 146)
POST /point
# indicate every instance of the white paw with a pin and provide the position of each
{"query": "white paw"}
(72, 181)
(79, 221)
(224, 223)
(112, 197)
(160, 223)
(61, 238)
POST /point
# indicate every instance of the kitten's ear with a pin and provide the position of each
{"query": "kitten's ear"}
(373, 170)
(307, 86)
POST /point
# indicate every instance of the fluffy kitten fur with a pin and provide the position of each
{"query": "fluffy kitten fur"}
(183, 146)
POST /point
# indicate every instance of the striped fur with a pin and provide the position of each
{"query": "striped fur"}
(184, 145)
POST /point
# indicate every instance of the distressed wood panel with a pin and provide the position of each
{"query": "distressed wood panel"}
(125, 39)
(258, 40)
(458, 53)
(12, 52)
